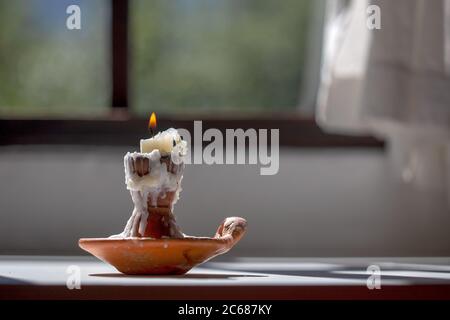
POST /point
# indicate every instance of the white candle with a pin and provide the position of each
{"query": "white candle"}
(158, 181)
(164, 141)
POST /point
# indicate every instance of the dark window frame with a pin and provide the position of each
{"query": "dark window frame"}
(119, 127)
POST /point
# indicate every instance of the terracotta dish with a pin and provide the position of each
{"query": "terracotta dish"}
(165, 255)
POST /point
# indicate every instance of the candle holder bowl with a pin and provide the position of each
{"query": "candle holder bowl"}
(165, 256)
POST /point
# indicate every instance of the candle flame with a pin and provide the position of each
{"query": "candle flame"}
(152, 122)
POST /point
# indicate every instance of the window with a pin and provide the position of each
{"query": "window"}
(48, 70)
(202, 55)
(184, 59)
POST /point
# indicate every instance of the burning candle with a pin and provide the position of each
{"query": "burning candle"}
(168, 143)
(164, 141)
(153, 177)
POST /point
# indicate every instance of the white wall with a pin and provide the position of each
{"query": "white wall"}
(332, 202)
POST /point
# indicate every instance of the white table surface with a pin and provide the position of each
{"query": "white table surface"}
(37, 277)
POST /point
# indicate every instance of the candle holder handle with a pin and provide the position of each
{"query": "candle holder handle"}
(231, 230)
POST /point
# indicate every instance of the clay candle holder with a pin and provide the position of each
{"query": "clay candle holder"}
(152, 241)
(165, 256)
(161, 221)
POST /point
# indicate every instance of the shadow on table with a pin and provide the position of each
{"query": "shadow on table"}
(184, 276)
(415, 273)
(9, 281)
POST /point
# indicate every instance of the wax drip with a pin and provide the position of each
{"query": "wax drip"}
(148, 188)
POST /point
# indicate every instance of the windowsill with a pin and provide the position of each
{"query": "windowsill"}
(32, 277)
(119, 128)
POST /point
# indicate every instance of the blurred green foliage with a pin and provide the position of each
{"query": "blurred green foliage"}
(46, 69)
(186, 56)
(195, 55)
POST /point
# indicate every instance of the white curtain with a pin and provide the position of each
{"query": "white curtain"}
(393, 82)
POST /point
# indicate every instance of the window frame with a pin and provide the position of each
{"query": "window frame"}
(120, 127)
